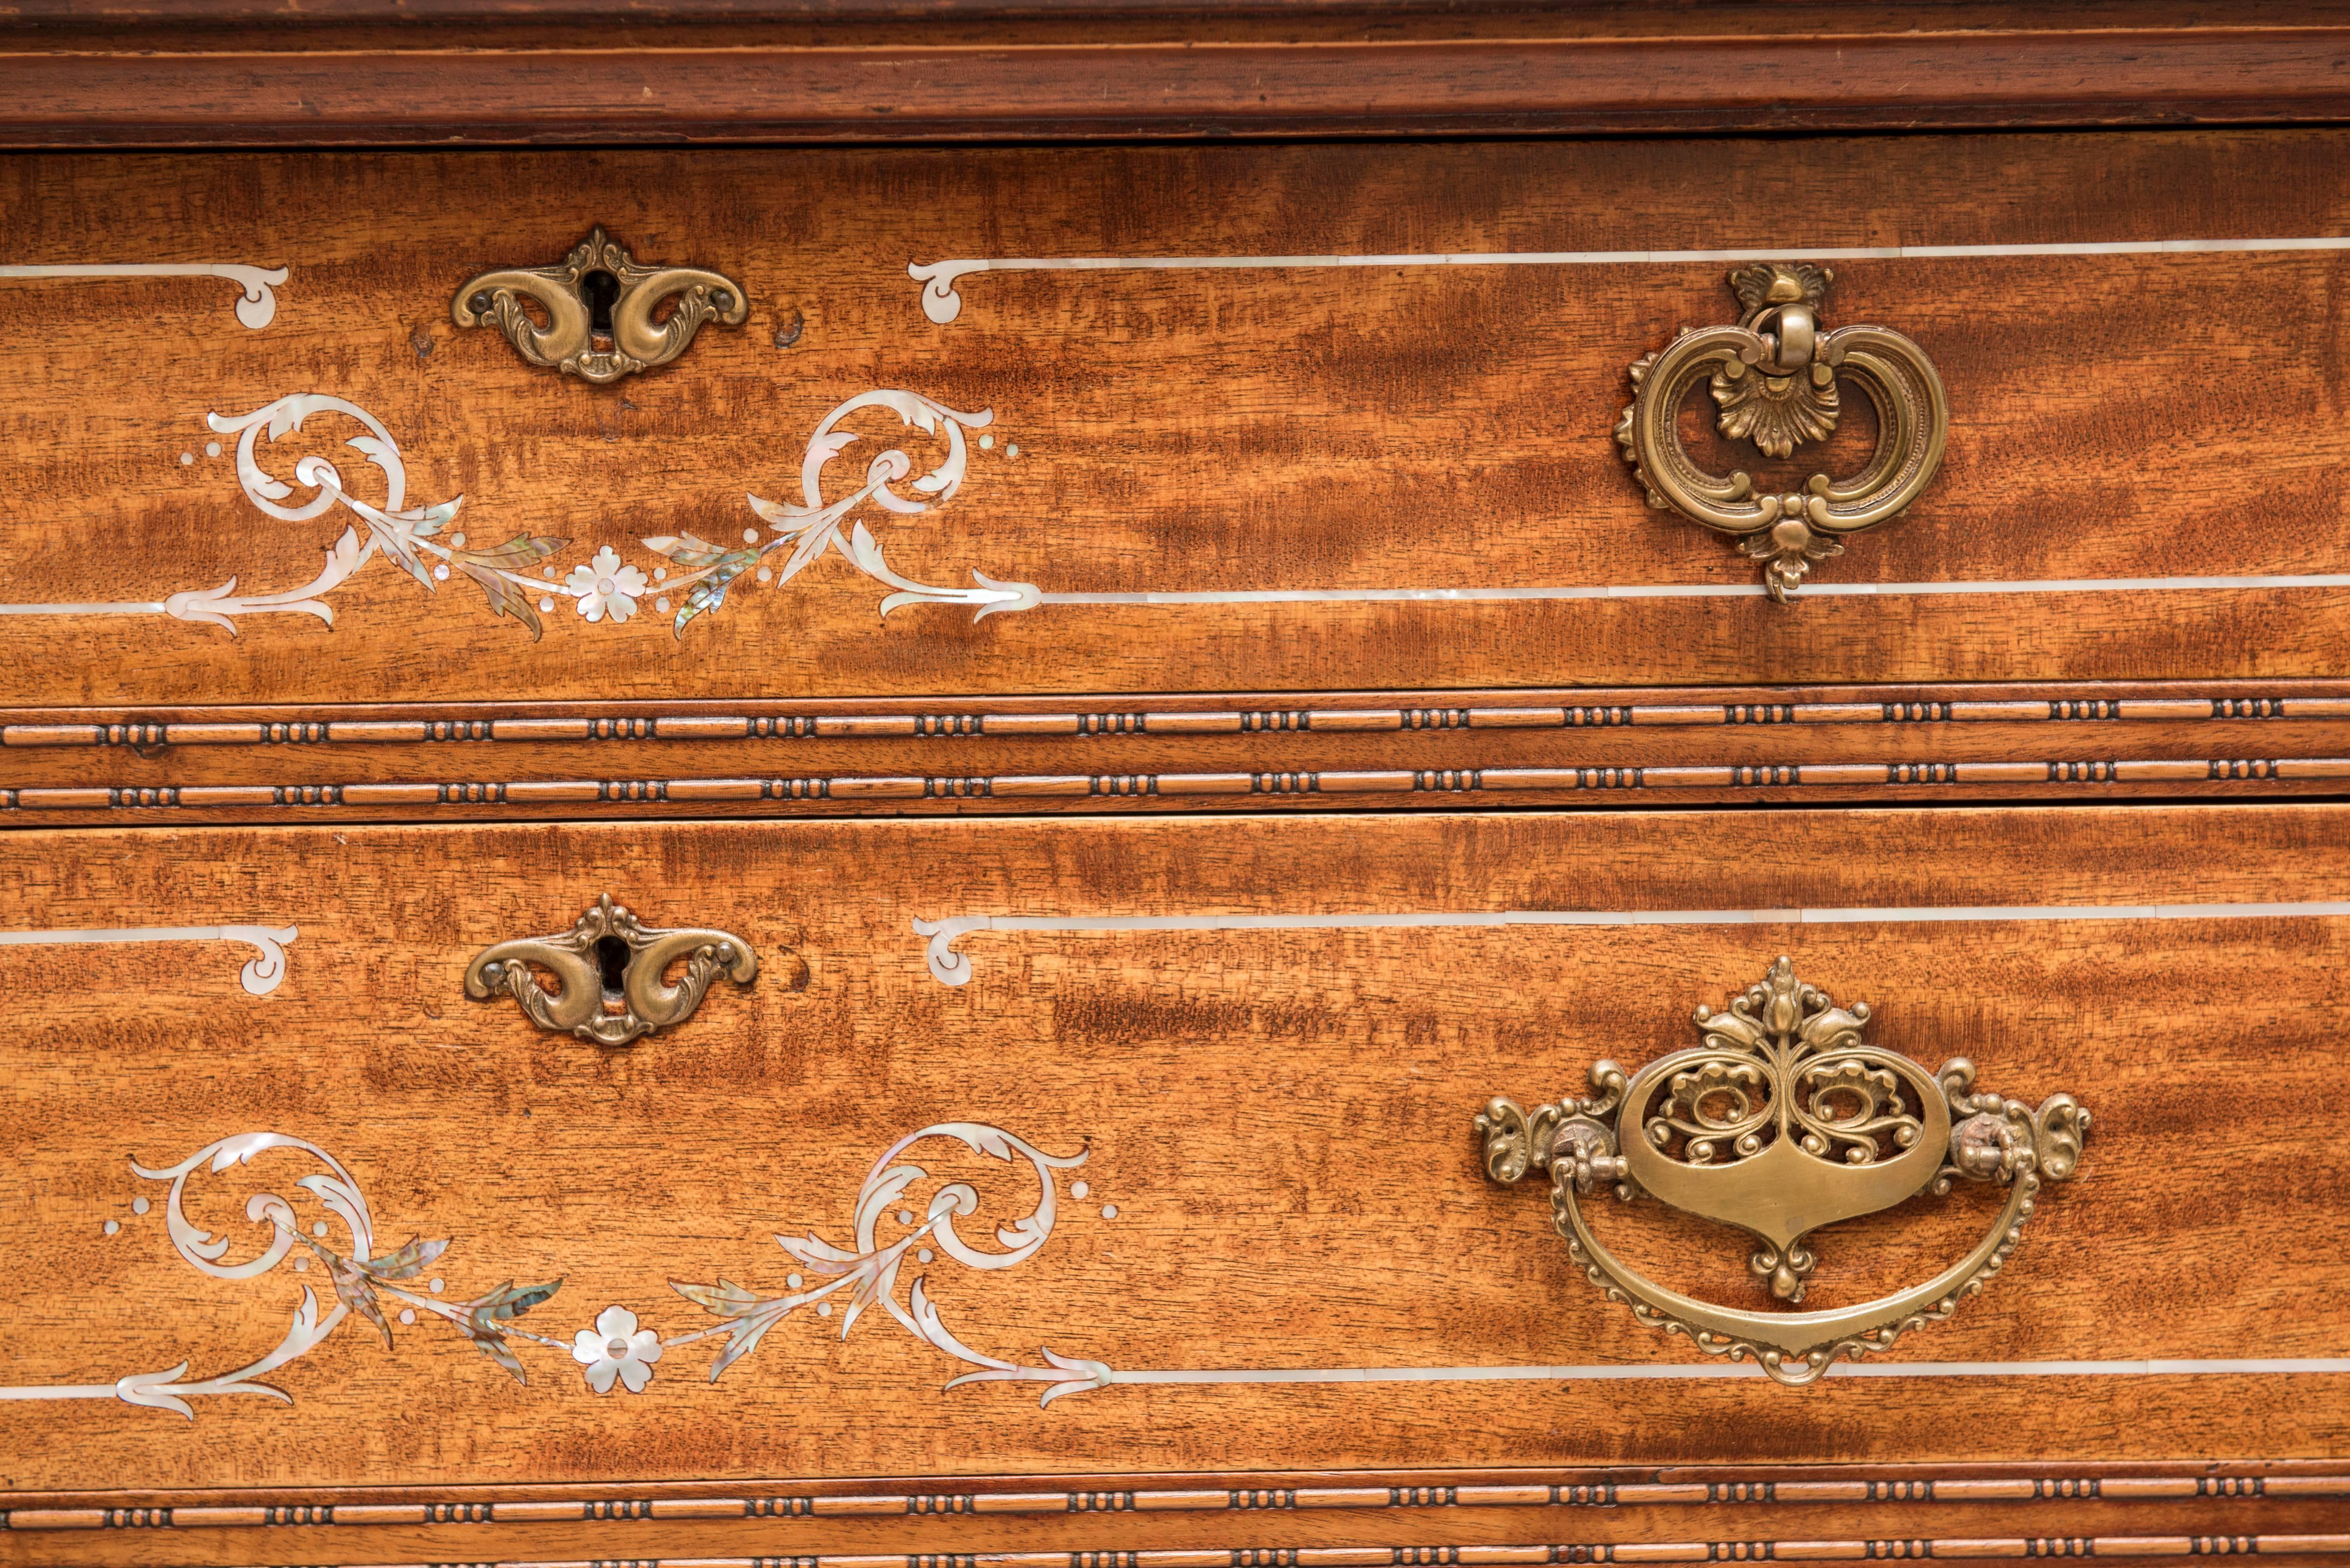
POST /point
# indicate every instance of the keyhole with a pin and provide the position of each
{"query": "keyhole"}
(600, 290)
(612, 957)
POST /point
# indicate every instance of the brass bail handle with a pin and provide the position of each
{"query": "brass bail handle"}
(1784, 1119)
(1778, 377)
(607, 970)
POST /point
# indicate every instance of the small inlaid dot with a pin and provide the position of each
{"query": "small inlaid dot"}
(436, 1286)
(186, 458)
(408, 1315)
(792, 1281)
(766, 575)
(139, 1206)
(212, 449)
(549, 574)
(750, 535)
(661, 573)
(319, 1228)
(662, 605)
(301, 1265)
(924, 1256)
(1013, 450)
(440, 572)
(823, 1309)
(905, 1216)
(458, 540)
(1078, 1189)
(112, 1226)
(987, 443)
(1109, 1210)
(547, 604)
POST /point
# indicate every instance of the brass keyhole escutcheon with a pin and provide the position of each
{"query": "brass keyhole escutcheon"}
(607, 971)
(599, 306)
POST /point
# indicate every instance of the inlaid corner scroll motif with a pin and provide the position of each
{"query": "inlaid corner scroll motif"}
(607, 970)
(260, 974)
(599, 303)
(257, 304)
(1784, 1119)
(1775, 378)
(366, 1281)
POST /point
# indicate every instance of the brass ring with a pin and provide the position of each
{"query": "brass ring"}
(1779, 407)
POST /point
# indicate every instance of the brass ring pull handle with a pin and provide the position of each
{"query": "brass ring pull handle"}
(608, 969)
(1784, 1121)
(599, 309)
(1776, 377)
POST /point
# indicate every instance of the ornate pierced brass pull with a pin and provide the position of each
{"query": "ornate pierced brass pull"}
(1775, 375)
(599, 309)
(1784, 1119)
(607, 970)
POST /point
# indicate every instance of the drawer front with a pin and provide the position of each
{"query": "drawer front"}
(1242, 418)
(1145, 1149)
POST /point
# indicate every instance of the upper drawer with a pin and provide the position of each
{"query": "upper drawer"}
(1167, 419)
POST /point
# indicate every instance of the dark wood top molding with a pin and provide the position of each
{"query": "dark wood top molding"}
(154, 75)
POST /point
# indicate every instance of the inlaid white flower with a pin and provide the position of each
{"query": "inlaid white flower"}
(605, 587)
(617, 1348)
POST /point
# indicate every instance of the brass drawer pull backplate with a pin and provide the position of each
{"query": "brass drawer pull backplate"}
(1782, 1120)
(1777, 378)
(608, 967)
(599, 309)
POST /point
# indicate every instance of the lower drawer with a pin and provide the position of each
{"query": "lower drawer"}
(1108, 1191)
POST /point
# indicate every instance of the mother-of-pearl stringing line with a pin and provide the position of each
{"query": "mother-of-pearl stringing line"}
(257, 307)
(953, 968)
(950, 968)
(260, 975)
(941, 304)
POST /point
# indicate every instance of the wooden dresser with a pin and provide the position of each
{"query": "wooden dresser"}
(926, 784)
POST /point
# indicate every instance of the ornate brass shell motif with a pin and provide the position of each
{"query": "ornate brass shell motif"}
(1775, 378)
(599, 309)
(1781, 1120)
(607, 971)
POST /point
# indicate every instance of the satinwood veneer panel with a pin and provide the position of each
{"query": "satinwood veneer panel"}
(1325, 430)
(1279, 1167)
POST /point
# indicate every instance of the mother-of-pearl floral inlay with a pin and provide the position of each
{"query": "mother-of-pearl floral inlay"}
(513, 576)
(867, 1273)
(813, 525)
(363, 1281)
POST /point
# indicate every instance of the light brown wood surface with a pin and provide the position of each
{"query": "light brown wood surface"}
(1431, 428)
(1280, 1117)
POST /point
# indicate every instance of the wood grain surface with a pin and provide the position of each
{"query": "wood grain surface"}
(1365, 428)
(1279, 1116)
